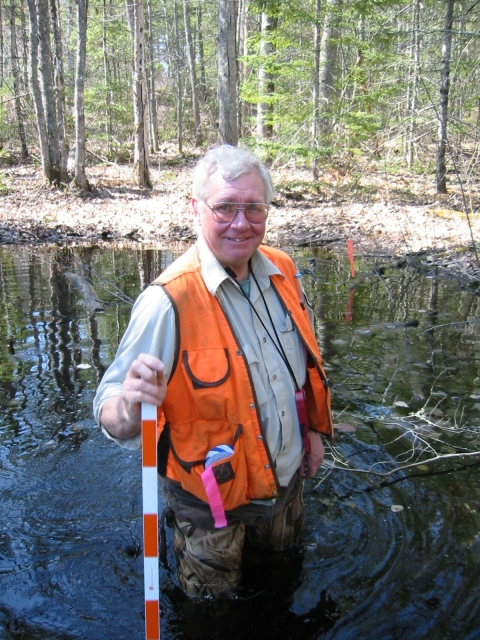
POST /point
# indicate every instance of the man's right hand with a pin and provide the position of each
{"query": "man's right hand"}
(145, 382)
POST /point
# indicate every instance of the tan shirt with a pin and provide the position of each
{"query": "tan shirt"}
(152, 330)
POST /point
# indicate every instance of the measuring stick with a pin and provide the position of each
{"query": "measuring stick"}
(150, 520)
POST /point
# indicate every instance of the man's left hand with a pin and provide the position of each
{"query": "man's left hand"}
(312, 462)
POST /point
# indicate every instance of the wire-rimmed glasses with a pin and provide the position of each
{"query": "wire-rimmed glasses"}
(225, 212)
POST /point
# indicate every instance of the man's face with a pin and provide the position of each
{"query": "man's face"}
(232, 244)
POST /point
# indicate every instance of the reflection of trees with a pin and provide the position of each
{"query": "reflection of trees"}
(8, 336)
(59, 329)
(411, 385)
(95, 346)
(384, 298)
(47, 334)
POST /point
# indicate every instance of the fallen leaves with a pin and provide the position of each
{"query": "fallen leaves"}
(341, 209)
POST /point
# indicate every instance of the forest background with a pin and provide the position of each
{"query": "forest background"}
(368, 112)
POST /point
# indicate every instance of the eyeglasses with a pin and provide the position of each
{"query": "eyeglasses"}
(225, 212)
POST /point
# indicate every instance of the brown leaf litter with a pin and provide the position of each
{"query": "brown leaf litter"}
(388, 216)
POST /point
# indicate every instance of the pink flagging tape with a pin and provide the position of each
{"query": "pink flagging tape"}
(214, 498)
(150, 521)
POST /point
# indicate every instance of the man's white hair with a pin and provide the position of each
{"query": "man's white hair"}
(230, 162)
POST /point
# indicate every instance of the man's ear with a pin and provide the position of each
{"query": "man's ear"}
(197, 210)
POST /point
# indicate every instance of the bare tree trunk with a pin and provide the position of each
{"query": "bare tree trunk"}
(70, 27)
(265, 79)
(414, 82)
(24, 45)
(129, 9)
(193, 74)
(241, 66)
(168, 48)
(151, 84)
(59, 91)
(328, 56)
(316, 88)
(141, 156)
(227, 72)
(178, 73)
(106, 80)
(80, 141)
(37, 94)
(16, 92)
(1, 47)
(441, 175)
(48, 87)
(201, 55)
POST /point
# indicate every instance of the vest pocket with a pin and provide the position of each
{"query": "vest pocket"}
(231, 473)
(316, 400)
(207, 367)
(207, 372)
(294, 348)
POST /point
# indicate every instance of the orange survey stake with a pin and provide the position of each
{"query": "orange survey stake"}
(350, 255)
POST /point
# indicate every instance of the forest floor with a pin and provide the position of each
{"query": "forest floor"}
(391, 216)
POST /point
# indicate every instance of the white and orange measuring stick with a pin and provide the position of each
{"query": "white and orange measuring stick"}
(150, 521)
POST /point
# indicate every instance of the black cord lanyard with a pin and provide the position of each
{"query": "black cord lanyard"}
(300, 401)
(277, 344)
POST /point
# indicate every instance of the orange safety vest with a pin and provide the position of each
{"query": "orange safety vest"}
(210, 395)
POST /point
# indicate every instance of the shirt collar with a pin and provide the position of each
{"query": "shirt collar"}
(214, 274)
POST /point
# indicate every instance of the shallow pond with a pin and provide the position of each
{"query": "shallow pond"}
(391, 545)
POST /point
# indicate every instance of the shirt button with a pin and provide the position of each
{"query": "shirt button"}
(239, 353)
(267, 466)
(274, 376)
(275, 493)
(252, 406)
(264, 339)
(259, 437)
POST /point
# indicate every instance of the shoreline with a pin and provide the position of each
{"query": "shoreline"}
(405, 227)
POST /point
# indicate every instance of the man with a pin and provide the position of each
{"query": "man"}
(222, 343)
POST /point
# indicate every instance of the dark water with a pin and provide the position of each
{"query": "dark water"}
(391, 541)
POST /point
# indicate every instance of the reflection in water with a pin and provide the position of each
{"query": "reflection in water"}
(70, 560)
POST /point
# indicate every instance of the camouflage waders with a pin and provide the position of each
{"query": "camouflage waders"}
(209, 562)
